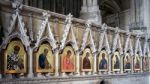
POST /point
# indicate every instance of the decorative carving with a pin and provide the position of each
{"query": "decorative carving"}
(85, 36)
(138, 46)
(68, 28)
(46, 27)
(117, 42)
(21, 33)
(68, 19)
(128, 44)
(30, 27)
(17, 4)
(146, 48)
(103, 42)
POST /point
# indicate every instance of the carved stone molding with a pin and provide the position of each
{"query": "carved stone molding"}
(45, 26)
(138, 46)
(117, 42)
(103, 42)
(146, 46)
(21, 33)
(85, 37)
(128, 44)
(17, 4)
(68, 29)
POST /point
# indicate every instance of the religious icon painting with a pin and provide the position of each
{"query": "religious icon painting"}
(44, 59)
(145, 63)
(15, 58)
(103, 61)
(115, 61)
(136, 62)
(87, 60)
(68, 60)
(127, 62)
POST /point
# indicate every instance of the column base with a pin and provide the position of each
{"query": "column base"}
(83, 73)
(63, 74)
(39, 75)
(94, 73)
(56, 74)
(77, 74)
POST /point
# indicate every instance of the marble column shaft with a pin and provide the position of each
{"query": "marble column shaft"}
(132, 64)
(77, 63)
(109, 68)
(30, 62)
(95, 64)
(122, 56)
(141, 65)
(56, 54)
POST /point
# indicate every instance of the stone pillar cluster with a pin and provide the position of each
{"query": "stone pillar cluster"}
(90, 11)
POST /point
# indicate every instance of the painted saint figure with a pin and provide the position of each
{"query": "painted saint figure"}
(86, 61)
(127, 63)
(43, 62)
(137, 64)
(14, 61)
(103, 62)
(145, 63)
(117, 63)
(67, 62)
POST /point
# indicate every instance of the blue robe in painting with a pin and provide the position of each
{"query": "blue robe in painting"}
(102, 64)
(42, 59)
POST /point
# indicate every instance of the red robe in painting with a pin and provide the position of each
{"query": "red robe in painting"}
(67, 63)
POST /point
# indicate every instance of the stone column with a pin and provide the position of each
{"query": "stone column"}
(84, 3)
(146, 17)
(94, 2)
(141, 65)
(121, 62)
(77, 63)
(95, 64)
(109, 68)
(132, 64)
(56, 54)
(30, 62)
(89, 3)
(90, 11)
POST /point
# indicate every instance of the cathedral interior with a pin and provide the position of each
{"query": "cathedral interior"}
(74, 41)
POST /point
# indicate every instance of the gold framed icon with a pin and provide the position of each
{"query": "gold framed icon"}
(44, 59)
(127, 62)
(15, 58)
(136, 62)
(87, 60)
(103, 61)
(115, 61)
(68, 60)
(145, 63)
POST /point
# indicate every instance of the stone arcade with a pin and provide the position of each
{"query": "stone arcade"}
(32, 35)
